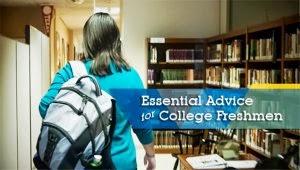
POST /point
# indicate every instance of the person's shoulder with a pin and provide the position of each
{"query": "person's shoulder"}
(133, 72)
(136, 79)
(66, 69)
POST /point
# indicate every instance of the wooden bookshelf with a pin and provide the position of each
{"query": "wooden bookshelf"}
(168, 55)
(276, 30)
(176, 86)
(256, 152)
(164, 65)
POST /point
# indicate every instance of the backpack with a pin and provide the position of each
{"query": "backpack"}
(77, 130)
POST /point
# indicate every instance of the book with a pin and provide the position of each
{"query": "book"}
(262, 49)
(206, 161)
(151, 76)
(214, 53)
(179, 76)
(232, 51)
(256, 76)
(152, 55)
(233, 77)
(291, 75)
(213, 75)
(242, 164)
(166, 140)
(184, 55)
(263, 140)
(292, 44)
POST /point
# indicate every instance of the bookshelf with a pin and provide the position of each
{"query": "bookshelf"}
(263, 53)
(175, 62)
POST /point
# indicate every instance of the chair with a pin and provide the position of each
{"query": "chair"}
(189, 142)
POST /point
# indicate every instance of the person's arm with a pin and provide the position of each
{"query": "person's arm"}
(145, 136)
(149, 158)
(60, 78)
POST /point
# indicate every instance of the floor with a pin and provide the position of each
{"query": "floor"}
(163, 161)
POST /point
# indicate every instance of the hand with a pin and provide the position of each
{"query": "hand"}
(150, 162)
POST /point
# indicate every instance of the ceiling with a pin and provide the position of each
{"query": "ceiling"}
(73, 15)
(59, 3)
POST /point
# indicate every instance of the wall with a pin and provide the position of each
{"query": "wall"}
(52, 46)
(224, 15)
(164, 18)
(77, 40)
(15, 19)
(66, 34)
(252, 12)
(0, 19)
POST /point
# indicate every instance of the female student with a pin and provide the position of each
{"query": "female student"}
(103, 59)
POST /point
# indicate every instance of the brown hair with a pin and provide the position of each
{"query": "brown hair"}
(101, 42)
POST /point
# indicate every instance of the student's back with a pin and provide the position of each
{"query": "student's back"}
(103, 59)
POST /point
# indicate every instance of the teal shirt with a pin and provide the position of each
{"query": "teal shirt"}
(122, 151)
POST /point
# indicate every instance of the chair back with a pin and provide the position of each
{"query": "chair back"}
(193, 142)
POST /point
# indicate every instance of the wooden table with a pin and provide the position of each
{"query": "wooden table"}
(184, 165)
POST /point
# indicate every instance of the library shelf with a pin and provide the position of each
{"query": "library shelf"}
(294, 134)
(216, 38)
(180, 40)
(262, 61)
(164, 150)
(266, 26)
(213, 85)
(256, 152)
(276, 30)
(235, 33)
(178, 65)
(176, 86)
(291, 59)
(233, 62)
(291, 19)
(213, 63)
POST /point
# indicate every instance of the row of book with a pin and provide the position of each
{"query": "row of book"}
(229, 77)
(233, 77)
(292, 44)
(214, 52)
(153, 55)
(151, 76)
(291, 75)
(263, 140)
(166, 139)
(256, 76)
(213, 75)
(257, 49)
(184, 55)
(287, 142)
(182, 76)
(262, 49)
(232, 51)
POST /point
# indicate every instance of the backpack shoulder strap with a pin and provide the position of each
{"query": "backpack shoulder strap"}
(78, 68)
